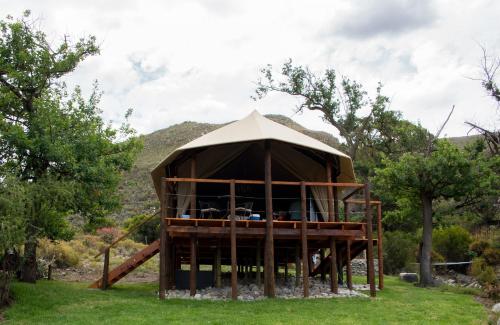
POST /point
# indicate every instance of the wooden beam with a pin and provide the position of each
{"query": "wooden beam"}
(257, 263)
(234, 260)
(329, 191)
(369, 237)
(297, 265)
(163, 236)
(260, 182)
(192, 205)
(305, 252)
(348, 264)
(105, 270)
(193, 267)
(269, 249)
(372, 202)
(218, 278)
(380, 248)
(334, 284)
(336, 204)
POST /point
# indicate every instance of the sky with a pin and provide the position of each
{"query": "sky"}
(173, 61)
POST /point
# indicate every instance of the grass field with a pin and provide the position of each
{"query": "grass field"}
(72, 303)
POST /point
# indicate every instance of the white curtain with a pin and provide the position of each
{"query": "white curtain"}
(208, 162)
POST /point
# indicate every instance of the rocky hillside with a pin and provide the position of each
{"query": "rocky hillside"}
(137, 188)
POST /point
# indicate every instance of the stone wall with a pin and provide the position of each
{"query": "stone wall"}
(359, 266)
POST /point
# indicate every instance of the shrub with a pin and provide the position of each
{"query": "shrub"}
(108, 234)
(146, 233)
(492, 256)
(398, 251)
(487, 276)
(60, 254)
(478, 246)
(478, 265)
(452, 242)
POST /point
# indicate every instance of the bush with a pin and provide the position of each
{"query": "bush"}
(492, 256)
(60, 254)
(108, 234)
(452, 243)
(478, 266)
(487, 276)
(479, 246)
(398, 251)
(148, 232)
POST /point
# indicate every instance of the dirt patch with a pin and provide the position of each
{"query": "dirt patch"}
(79, 275)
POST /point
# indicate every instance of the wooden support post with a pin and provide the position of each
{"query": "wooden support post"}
(321, 258)
(257, 265)
(380, 248)
(105, 270)
(305, 253)
(192, 211)
(334, 283)
(49, 272)
(329, 191)
(286, 265)
(163, 238)
(348, 264)
(218, 279)
(336, 204)
(168, 260)
(234, 260)
(193, 267)
(269, 286)
(297, 265)
(369, 238)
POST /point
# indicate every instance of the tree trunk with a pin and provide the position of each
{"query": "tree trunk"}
(425, 254)
(5, 278)
(29, 268)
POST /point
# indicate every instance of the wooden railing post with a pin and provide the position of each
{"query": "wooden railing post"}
(192, 206)
(380, 247)
(369, 238)
(105, 270)
(234, 260)
(269, 286)
(305, 253)
(163, 238)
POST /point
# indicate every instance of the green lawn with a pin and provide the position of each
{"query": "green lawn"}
(399, 303)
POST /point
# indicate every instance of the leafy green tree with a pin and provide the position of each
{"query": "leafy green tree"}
(368, 136)
(444, 172)
(12, 211)
(53, 142)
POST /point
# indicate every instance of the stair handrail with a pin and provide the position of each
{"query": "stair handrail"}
(131, 230)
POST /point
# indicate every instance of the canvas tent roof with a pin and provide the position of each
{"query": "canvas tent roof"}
(256, 127)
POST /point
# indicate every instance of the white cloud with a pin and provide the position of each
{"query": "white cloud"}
(198, 60)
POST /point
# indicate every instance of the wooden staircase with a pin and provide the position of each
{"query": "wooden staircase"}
(356, 248)
(129, 265)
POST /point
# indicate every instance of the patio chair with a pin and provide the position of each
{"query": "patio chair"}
(243, 210)
(208, 209)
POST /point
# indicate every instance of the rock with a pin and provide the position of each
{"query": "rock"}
(408, 277)
(197, 296)
(496, 308)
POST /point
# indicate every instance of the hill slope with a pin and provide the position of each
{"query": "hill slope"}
(137, 187)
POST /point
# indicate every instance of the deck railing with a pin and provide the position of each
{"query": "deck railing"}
(333, 216)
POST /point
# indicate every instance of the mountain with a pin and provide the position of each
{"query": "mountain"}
(137, 188)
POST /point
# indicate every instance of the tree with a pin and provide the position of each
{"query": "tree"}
(490, 67)
(368, 136)
(445, 172)
(54, 142)
(12, 211)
